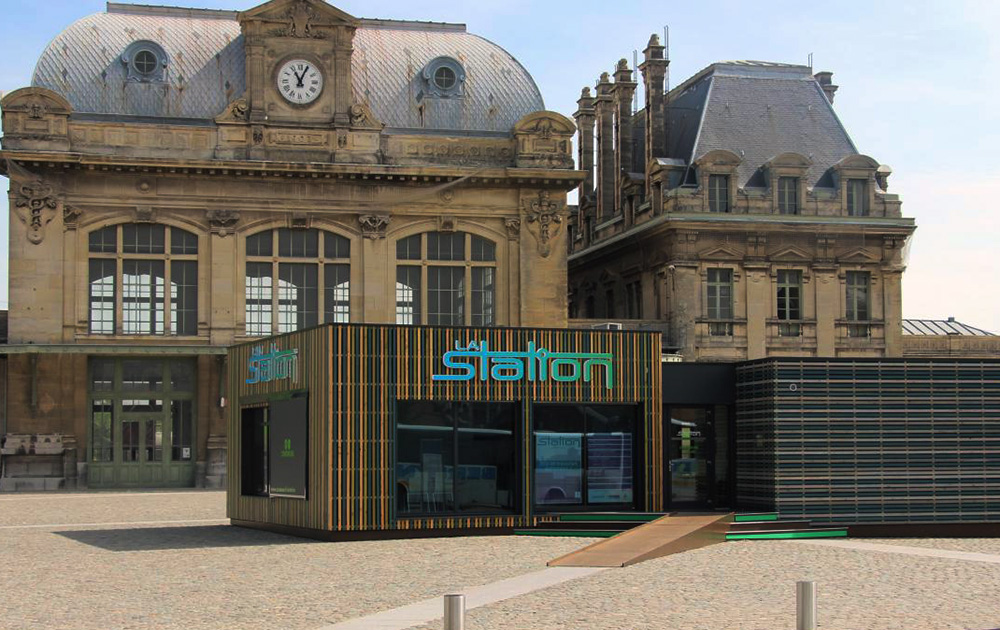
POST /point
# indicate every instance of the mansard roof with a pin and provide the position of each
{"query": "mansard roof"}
(757, 110)
(936, 327)
(205, 69)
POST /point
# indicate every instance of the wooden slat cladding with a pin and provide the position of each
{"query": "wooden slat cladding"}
(370, 367)
(870, 441)
(313, 375)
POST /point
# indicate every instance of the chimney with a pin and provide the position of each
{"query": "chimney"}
(825, 80)
(654, 71)
(605, 111)
(624, 92)
(584, 117)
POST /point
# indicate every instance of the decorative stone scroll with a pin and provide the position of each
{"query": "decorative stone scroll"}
(362, 116)
(513, 229)
(373, 226)
(544, 222)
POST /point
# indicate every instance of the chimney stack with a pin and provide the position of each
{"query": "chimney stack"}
(624, 92)
(654, 71)
(584, 117)
(825, 80)
(605, 110)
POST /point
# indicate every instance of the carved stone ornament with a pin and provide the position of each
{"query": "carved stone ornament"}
(36, 109)
(70, 216)
(373, 226)
(544, 222)
(258, 135)
(446, 224)
(362, 116)
(299, 221)
(39, 200)
(513, 228)
(446, 196)
(222, 222)
(237, 111)
(145, 214)
(300, 22)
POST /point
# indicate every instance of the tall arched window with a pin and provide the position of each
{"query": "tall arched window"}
(307, 283)
(443, 276)
(131, 266)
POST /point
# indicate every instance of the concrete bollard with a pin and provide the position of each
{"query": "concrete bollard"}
(805, 606)
(454, 612)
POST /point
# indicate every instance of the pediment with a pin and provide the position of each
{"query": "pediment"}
(791, 253)
(719, 157)
(789, 160)
(545, 122)
(36, 101)
(724, 252)
(299, 16)
(859, 255)
(856, 162)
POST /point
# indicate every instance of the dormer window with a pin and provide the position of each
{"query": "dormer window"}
(444, 77)
(145, 61)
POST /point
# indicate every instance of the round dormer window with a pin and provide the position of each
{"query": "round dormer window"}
(444, 78)
(144, 62)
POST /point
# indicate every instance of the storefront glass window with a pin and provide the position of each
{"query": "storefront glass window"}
(433, 435)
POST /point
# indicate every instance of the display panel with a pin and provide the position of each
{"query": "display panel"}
(288, 447)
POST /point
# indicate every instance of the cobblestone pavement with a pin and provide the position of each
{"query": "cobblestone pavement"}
(750, 585)
(204, 574)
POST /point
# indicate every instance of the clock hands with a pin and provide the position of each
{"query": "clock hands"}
(299, 79)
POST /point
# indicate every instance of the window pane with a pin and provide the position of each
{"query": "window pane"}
(130, 441)
(482, 296)
(789, 294)
(142, 376)
(258, 299)
(182, 376)
(788, 201)
(102, 432)
(143, 238)
(183, 242)
(484, 250)
(857, 197)
(184, 297)
(718, 193)
(446, 246)
(446, 296)
(486, 480)
(105, 240)
(180, 436)
(407, 295)
(337, 293)
(609, 454)
(260, 244)
(298, 296)
(298, 243)
(559, 433)
(425, 457)
(154, 439)
(143, 288)
(253, 451)
(720, 294)
(858, 283)
(102, 296)
(409, 248)
(336, 246)
(102, 375)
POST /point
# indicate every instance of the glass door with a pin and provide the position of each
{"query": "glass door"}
(690, 453)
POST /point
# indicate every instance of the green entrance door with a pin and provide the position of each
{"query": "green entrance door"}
(142, 424)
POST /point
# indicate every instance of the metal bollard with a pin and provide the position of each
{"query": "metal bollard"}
(805, 606)
(454, 612)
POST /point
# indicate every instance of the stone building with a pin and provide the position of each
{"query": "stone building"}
(735, 213)
(186, 179)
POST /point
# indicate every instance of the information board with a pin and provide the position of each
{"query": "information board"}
(288, 447)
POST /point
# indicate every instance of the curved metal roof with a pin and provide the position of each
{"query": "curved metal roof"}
(205, 70)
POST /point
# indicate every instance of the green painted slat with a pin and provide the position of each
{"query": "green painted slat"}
(566, 533)
(610, 516)
(841, 533)
(751, 518)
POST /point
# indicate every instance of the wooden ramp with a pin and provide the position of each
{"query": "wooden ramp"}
(662, 537)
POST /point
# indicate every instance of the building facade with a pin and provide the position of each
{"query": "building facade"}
(736, 213)
(186, 179)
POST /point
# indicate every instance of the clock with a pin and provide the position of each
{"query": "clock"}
(300, 82)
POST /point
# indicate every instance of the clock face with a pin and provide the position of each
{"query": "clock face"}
(300, 81)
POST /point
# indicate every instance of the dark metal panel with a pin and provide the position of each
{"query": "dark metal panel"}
(699, 383)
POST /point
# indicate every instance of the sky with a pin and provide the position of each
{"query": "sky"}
(914, 94)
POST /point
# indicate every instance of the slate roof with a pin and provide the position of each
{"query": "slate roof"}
(757, 110)
(941, 327)
(206, 70)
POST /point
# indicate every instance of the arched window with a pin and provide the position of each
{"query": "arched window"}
(443, 276)
(311, 274)
(131, 266)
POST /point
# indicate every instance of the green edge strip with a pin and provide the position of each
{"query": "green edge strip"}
(608, 517)
(750, 518)
(835, 534)
(565, 533)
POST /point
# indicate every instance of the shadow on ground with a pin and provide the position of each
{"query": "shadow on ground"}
(164, 538)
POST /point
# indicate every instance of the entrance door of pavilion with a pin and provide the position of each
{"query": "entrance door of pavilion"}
(141, 423)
